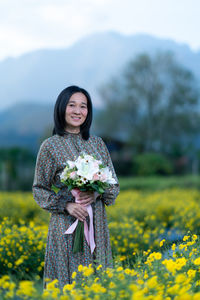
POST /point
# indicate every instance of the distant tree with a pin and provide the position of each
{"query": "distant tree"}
(153, 105)
(148, 164)
(16, 168)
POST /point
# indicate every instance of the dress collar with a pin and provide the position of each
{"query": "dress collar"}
(67, 133)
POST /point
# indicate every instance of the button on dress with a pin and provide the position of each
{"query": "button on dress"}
(60, 262)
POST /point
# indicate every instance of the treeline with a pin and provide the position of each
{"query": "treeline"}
(152, 112)
(16, 169)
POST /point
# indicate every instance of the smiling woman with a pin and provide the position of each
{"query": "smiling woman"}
(71, 136)
(76, 112)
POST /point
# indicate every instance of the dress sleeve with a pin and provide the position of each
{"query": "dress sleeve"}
(110, 194)
(45, 171)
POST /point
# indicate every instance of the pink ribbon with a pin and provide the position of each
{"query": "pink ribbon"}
(89, 234)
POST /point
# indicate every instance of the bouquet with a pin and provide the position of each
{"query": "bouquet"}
(86, 173)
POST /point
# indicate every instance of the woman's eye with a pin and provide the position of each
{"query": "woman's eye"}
(73, 105)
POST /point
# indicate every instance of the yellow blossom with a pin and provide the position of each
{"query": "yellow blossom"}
(197, 261)
(99, 267)
(173, 246)
(162, 242)
(80, 268)
(152, 282)
(19, 261)
(26, 289)
(112, 285)
(185, 238)
(73, 275)
(191, 273)
(194, 237)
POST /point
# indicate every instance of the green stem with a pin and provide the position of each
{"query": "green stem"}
(78, 238)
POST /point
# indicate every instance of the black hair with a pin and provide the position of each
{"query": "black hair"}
(60, 108)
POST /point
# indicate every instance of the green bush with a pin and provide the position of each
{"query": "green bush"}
(157, 182)
(148, 164)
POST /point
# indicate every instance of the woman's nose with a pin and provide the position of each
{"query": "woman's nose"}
(77, 110)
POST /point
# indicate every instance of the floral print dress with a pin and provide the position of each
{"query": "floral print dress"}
(60, 262)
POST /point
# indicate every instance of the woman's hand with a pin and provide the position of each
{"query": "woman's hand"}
(77, 210)
(86, 198)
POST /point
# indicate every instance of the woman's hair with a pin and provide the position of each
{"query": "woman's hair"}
(60, 108)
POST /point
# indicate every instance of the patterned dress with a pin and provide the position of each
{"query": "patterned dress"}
(60, 262)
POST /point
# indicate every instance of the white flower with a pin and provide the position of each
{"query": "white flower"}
(64, 175)
(86, 166)
(72, 175)
(106, 176)
(71, 164)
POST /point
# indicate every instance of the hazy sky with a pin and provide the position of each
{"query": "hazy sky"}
(27, 25)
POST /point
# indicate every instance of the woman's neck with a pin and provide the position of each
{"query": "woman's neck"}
(72, 130)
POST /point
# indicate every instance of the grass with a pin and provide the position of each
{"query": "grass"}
(152, 183)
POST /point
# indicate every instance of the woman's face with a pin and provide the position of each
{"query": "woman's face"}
(76, 112)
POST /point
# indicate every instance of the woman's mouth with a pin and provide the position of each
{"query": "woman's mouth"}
(76, 118)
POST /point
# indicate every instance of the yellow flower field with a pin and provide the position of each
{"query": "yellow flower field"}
(154, 238)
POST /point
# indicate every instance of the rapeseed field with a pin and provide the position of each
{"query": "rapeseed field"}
(155, 243)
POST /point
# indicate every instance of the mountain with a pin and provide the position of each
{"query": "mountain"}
(27, 124)
(39, 76)
(30, 84)
(24, 123)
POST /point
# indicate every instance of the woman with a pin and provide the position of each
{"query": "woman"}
(72, 121)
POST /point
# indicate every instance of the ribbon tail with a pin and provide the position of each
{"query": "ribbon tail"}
(91, 229)
(71, 228)
(86, 233)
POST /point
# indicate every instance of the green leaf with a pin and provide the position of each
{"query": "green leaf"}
(55, 189)
(100, 190)
(83, 189)
(70, 187)
(78, 238)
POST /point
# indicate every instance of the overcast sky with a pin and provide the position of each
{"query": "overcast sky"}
(26, 25)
